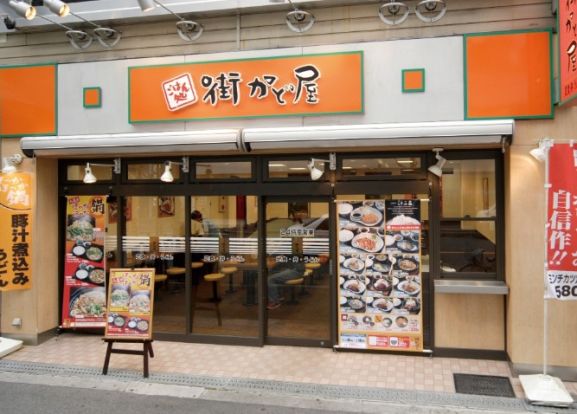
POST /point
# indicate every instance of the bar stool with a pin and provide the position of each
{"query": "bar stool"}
(214, 278)
(313, 267)
(230, 271)
(292, 285)
(174, 272)
(307, 276)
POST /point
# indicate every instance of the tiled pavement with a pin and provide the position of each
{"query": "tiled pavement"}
(276, 363)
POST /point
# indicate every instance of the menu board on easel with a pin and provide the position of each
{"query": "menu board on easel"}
(130, 304)
(380, 296)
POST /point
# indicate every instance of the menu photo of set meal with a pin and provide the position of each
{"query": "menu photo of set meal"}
(379, 279)
(130, 303)
(84, 294)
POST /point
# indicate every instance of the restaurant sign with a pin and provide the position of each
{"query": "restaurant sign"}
(279, 86)
(16, 222)
(561, 279)
(567, 14)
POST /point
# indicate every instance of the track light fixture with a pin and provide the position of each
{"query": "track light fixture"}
(540, 153)
(393, 12)
(297, 20)
(188, 30)
(23, 9)
(437, 169)
(316, 174)
(167, 176)
(430, 11)
(10, 163)
(90, 178)
(57, 7)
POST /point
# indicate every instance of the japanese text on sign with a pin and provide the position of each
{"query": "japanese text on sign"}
(568, 48)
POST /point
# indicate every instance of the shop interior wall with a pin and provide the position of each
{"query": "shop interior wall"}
(37, 307)
(358, 22)
(525, 218)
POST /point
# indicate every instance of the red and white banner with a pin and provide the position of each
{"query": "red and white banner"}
(562, 223)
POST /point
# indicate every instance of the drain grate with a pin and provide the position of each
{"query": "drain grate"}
(490, 385)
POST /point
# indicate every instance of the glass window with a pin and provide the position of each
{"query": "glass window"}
(76, 172)
(155, 238)
(362, 167)
(469, 236)
(291, 168)
(151, 171)
(207, 170)
(224, 265)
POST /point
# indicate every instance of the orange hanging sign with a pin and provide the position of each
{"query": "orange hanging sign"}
(16, 201)
(280, 86)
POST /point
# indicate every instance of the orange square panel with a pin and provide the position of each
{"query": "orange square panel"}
(28, 100)
(508, 75)
(413, 80)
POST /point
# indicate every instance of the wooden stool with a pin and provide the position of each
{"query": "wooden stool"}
(230, 271)
(173, 272)
(292, 284)
(307, 276)
(313, 267)
(214, 278)
(159, 279)
(196, 265)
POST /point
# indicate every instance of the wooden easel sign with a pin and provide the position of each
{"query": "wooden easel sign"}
(129, 313)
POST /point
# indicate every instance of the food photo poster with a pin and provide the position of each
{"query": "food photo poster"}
(379, 278)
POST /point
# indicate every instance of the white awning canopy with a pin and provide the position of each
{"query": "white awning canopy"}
(454, 134)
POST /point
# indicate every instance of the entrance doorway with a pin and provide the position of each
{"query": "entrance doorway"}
(298, 273)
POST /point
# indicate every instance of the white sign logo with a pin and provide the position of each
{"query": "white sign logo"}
(179, 92)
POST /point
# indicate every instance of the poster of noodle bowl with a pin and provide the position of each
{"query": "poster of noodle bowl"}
(379, 276)
(84, 295)
(130, 303)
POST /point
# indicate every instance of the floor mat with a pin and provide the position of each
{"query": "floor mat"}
(483, 385)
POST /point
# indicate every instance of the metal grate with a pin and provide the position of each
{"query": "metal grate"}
(490, 385)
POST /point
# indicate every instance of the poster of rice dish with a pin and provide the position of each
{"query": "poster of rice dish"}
(379, 277)
(130, 303)
(84, 296)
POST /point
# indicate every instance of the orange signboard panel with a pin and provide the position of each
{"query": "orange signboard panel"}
(508, 75)
(567, 15)
(16, 221)
(28, 100)
(280, 86)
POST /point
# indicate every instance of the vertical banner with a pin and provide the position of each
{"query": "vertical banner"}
(16, 201)
(84, 296)
(567, 14)
(130, 300)
(561, 258)
(380, 295)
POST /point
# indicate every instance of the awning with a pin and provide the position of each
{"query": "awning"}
(454, 134)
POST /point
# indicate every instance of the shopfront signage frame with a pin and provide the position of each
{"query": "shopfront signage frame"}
(187, 112)
(564, 14)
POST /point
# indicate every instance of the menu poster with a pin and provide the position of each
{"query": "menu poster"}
(84, 296)
(379, 275)
(130, 300)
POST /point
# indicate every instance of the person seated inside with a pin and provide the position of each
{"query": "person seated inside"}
(202, 226)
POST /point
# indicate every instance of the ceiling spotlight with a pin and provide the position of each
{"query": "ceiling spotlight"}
(23, 9)
(437, 169)
(57, 7)
(10, 163)
(167, 176)
(90, 178)
(297, 20)
(317, 173)
(188, 30)
(540, 153)
(431, 11)
(393, 12)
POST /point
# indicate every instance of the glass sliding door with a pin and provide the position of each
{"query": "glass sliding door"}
(224, 265)
(298, 274)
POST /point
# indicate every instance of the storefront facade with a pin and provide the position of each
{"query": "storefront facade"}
(373, 127)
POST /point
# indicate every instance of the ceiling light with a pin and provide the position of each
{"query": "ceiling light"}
(10, 163)
(430, 11)
(437, 169)
(540, 153)
(23, 9)
(277, 165)
(405, 161)
(167, 176)
(90, 178)
(188, 30)
(315, 172)
(57, 7)
(393, 12)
